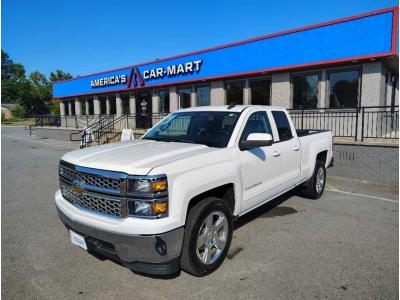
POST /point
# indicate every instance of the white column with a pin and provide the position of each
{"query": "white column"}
(108, 110)
(118, 103)
(323, 95)
(173, 99)
(217, 93)
(96, 105)
(69, 107)
(246, 93)
(78, 110)
(62, 108)
(193, 97)
(155, 104)
(155, 107)
(280, 86)
(132, 110)
(132, 103)
(87, 107)
(372, 84)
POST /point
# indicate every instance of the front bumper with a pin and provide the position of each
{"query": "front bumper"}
(156, 254)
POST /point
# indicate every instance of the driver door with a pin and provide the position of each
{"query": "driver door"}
(261, 166)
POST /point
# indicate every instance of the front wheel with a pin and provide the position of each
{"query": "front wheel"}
(208, 236)
(315, 186)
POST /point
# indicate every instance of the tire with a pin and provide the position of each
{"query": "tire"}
(313, 188)
(197, 261)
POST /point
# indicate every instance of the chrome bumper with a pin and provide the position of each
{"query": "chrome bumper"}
(151, 254)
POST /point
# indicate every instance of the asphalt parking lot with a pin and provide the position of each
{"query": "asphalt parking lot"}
(344, 245)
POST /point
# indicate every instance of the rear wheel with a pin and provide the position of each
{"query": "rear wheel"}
(315, 186)
(208, 236)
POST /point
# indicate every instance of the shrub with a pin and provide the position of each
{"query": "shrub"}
(18, 111)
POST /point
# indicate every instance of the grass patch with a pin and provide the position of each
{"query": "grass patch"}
(17, 121)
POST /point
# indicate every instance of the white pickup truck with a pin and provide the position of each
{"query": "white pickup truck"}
(167, 202)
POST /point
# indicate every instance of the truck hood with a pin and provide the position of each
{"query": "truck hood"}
(135, 158)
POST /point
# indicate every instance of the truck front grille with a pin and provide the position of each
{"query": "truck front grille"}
(95, 202)
(70, 173)
(96, 190)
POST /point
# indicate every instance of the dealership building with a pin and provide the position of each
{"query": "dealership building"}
(344, 63)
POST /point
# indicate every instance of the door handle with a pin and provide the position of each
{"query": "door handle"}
(276, 153)
(296, 148)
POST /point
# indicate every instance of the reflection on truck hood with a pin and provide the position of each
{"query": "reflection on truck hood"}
(136, 158)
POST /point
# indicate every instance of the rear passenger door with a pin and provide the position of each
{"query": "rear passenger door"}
(288, 148)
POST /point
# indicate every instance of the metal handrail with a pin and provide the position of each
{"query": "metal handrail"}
(103, 130)
(91, 127)
(373, 122)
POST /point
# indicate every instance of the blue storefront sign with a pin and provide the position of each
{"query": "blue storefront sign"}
(370, 35)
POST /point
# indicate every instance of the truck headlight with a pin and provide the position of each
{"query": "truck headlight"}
(148, 208)
(147, 196)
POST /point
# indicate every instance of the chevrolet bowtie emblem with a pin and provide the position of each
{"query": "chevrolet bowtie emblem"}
(77, 188)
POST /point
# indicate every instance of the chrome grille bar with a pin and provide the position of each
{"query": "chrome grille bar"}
(99, 191)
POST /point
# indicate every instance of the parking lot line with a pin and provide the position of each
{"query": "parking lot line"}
(362, 195)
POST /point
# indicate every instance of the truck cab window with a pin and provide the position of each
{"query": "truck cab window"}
(257, 123)
(283, 126)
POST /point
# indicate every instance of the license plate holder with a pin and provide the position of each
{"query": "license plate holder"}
(77, 239)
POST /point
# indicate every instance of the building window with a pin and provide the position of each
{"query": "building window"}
(83, 107)
(305, 91)
(184, 97)
(125, 104)
(72, 107)
(234, 92)
(344, 88)
(103, 106)
(66, 107)
(164, 101)
(203, 95)
(260, 92)
(91, 107)
(113, 105)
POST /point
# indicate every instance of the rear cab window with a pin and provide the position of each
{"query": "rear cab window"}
(282, 125)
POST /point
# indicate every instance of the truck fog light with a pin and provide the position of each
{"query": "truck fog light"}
(143, 208)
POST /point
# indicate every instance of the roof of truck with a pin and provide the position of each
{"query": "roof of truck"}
(236, 108)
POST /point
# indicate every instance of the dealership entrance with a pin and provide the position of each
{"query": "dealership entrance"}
(143, 109)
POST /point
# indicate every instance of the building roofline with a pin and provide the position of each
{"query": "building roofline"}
(394, 9)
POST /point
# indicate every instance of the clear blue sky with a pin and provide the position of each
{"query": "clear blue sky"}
(86, 36)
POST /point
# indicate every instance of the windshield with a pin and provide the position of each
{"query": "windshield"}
(209, 128)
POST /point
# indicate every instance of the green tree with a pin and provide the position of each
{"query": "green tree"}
(41, 94)
(59, 75)
(14, 85)
(33, 94)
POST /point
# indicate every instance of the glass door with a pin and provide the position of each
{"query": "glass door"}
(143, 110)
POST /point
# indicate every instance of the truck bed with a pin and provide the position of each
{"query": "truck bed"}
(305, 132)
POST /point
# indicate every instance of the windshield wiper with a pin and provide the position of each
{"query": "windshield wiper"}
(182, 141)
(150, 138)
(176, 141)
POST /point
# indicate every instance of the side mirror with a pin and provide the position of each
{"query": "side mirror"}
(256, 140)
